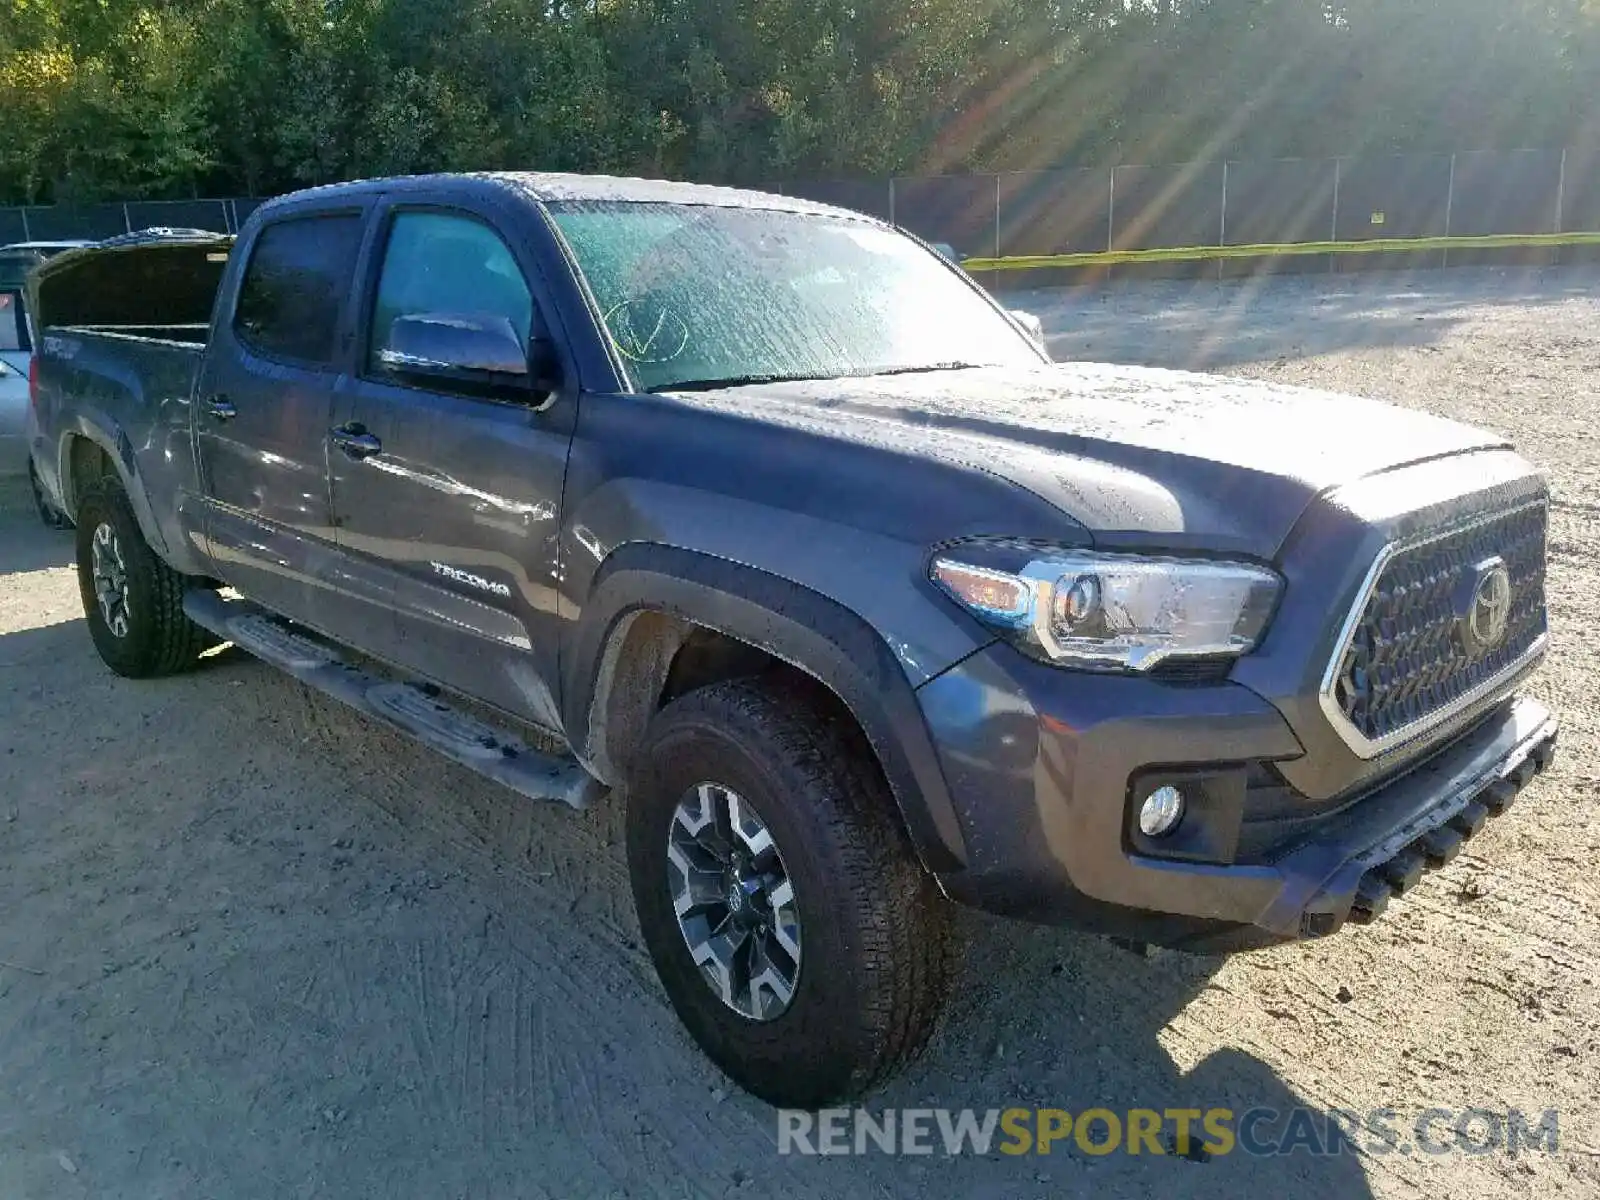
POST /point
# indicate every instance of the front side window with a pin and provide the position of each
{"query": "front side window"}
(706, 296)
(295, 287)
(447, 265)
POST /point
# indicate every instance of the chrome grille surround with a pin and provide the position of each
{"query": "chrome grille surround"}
(1401, 666)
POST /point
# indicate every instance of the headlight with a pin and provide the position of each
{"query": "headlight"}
(1111, 611)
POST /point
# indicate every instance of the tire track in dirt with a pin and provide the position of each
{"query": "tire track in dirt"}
(519, 858)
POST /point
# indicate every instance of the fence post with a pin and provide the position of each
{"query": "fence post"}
(1111, 213)
(1561, 195)
(892, 218)
(1449, 210)
(127, 220)
(1222, 230)
(997, 215)
(1333, 233)
(26, 235)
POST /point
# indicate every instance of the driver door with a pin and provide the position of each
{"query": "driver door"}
(450, 500)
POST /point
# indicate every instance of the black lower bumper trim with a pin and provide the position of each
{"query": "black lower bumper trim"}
(1397, 873)
(1441, 846)
(1473, 817)
(1372, 897)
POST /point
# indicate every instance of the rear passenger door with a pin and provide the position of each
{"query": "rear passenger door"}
(452, 500)
(265, 404)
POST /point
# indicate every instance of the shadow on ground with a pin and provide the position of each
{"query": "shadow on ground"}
(253, 946)
(260, 948)
(26, 545)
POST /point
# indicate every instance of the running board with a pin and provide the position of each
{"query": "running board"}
(417, 710)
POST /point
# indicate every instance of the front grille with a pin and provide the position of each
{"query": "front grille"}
(1410, 657)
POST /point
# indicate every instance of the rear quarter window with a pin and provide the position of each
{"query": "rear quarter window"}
(295, 286)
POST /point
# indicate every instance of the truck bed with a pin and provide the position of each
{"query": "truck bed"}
(137, 383)
(122, 336)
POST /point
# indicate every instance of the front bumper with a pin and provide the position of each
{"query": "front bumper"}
(1039, 763)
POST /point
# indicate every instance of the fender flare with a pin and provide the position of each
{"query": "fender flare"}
(789, 621)
(114, 444)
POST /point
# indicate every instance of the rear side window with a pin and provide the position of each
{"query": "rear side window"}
(295, 287)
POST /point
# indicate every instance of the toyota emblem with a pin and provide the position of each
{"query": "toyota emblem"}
(1490, 611)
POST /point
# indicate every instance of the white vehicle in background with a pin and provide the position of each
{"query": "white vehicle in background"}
(1029, 321)
(15, 356)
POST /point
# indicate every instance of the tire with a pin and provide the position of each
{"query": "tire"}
(148, 634)
(49, 514)
(874, 936)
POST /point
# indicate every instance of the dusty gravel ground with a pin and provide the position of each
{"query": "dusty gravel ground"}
(254, 947)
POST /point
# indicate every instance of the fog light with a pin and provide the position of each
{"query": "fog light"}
(1161, 811)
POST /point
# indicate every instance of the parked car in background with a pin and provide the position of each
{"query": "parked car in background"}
(18, 258)
(15, 356)
(1029, 321)
(13, 385)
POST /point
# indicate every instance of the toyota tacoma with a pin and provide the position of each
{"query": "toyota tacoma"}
(764, 516)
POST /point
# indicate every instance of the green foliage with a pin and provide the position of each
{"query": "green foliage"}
(131, 98)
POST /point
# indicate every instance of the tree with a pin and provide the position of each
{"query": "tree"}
(131, 98)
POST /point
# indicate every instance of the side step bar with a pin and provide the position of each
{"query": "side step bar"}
(417, 710)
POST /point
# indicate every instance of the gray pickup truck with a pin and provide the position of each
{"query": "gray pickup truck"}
(767, 517)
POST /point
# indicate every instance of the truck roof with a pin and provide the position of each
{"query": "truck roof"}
(554, 186)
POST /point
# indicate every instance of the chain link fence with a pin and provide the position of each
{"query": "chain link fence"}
(1069, 211)
(1249, 203)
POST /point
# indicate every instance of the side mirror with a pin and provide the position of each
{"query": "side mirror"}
(474, 349)
(544, 365)
(1031, 325)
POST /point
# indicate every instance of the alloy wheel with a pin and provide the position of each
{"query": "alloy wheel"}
(110, 580)
(735, 902)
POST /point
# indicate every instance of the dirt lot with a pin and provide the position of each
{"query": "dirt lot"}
(254, 947)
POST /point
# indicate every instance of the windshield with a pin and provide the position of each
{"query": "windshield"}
(697, 295)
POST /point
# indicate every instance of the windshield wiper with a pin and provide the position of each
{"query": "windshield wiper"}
(733, 381)
(929, 369)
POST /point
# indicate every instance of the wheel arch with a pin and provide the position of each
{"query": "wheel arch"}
(88, 454)
(652, 605)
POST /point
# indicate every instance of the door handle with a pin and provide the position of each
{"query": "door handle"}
(221, 408)
(355, 441)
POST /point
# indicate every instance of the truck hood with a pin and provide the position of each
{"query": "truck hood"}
(1228, 464)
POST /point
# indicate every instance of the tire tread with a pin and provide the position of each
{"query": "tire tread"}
(907, 951)
(165, 641)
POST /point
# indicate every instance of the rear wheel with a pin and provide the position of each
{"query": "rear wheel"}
(132, 600)
(796, 935)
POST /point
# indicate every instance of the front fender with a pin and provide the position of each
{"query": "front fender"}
(802, 627)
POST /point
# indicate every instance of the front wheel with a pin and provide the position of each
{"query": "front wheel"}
(796, 935)
(132, 600)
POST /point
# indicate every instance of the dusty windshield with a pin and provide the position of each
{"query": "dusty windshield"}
(697, 295)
